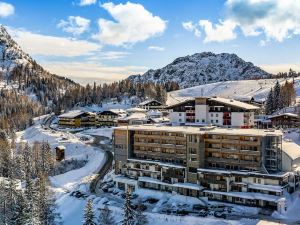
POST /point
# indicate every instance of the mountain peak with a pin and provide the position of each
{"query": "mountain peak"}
(203, 68)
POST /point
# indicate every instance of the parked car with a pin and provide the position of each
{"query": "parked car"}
(199, 207)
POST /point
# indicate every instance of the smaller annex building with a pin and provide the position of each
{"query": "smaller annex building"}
(109, 117)
(77, 118)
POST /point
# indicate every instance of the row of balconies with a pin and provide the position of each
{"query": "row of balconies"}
(231, 160)
(235, 151)
(228, 141)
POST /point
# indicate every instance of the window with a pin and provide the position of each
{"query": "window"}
(203, 120)
(217, 115)
(217, 121)
(197, 121)
(180, 120)
(192, 170)
(212, 121)
(179, 114)
(193, 159)
(212, 115)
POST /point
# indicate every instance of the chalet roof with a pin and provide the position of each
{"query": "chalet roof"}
(115, 111)
(234, 103)
(73, 114)
(226, 101)
(136, 109)
(135, 116)
(291, 149)
(149, 101)
(180, 103)
(293, 115)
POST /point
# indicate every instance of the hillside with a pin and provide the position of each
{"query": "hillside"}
(258, 89)
(16, 66)
(203, 68)
(26, 88)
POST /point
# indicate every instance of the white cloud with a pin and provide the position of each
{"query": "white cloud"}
(113, 55)
(156, 48)
(132, 23)
(87, 2)
(84, 72)
(75, 25)
(6, 9)
(224, 31)
(38, 44)
(189, 26)
(276, 68)
(276, 19)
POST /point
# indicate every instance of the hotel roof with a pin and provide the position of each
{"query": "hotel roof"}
(202, 130)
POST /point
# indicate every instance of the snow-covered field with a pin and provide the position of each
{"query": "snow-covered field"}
(230, 89)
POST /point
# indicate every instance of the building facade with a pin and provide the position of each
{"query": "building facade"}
(77, 118)
(217, 111)
(109, 117)
(221, 164)
(151, 105)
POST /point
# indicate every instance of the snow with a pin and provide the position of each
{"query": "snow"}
(102, 131)
(258, 89)
(247, 195)
(265, 187)
(291, 149)
(71, 114)
(235, 103)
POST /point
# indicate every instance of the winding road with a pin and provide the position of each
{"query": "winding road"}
(106, 147)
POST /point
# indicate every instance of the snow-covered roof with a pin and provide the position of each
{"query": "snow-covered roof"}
(273, 188)
(247, 195)
(234, 103)
(136, 109)
(161, 120)
(136, 116)
(285, 114)
(154, 113)
(117, 111)
(187, 185)
(197, 130)
(126, 180)
(61, 147)
(291, 149)
(245, 173)
(73, 114)
(148, 101)
(157, 162)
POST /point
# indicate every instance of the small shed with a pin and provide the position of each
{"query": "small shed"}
(60, 152)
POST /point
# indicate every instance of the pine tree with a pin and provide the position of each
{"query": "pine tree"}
(269, 103)
(140, 218)
(128, 211)
(105, 217)
(89, 213)
(276, 96)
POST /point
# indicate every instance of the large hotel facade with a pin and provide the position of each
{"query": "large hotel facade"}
(233, 165)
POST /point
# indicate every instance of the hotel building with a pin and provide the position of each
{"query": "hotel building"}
(234, 165)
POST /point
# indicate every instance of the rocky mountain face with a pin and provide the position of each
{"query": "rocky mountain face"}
(15, 62)
(203, 68)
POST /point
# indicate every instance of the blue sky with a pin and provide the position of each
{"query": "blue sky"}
(102, 41)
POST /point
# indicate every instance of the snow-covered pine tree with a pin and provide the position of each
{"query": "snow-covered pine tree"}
(140, 217)
(32, 207)
(128, 211)
(105, 217)
(89, 215)
(276, 96)
(269, 103)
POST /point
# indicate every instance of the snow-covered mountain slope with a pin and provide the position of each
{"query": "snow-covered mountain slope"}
(203, 68)
(11, 53)
(15, 62)
(258, 89)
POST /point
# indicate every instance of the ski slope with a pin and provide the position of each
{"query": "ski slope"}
(258, 89)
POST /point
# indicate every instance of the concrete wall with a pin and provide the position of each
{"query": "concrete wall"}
(177, 117)
(237, 119)
(201, 113)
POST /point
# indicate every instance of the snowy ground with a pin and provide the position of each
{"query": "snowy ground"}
(230, 89)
